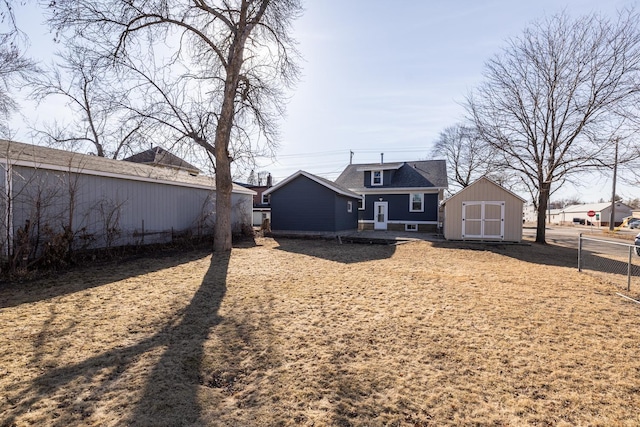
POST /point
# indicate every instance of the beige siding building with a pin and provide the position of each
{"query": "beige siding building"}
(483, 211)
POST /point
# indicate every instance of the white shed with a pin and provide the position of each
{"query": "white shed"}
(483, 211)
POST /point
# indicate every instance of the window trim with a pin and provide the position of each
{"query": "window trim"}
(373, 180)
(265, 199)
(411, 227)
(411, 209)
(349, 206)
(361, 203)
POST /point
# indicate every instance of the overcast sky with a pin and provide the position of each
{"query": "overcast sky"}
(389, 76)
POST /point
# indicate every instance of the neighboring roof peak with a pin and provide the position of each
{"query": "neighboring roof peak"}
(158, 156)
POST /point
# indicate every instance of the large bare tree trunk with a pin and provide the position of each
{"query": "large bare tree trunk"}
(222, 236)
(543, 203)
(224, 184)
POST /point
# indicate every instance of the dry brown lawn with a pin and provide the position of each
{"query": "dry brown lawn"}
(313, 333)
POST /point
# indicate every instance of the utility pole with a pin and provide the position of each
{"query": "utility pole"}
(613, 195)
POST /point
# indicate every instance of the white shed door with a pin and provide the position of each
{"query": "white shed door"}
(483, 220)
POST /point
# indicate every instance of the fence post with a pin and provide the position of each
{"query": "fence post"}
(580, 252)
(631, 248)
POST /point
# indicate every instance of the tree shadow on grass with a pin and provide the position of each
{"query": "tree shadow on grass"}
(556, 256)
(170, 396)
(333, 250)
(170, 393)
(549, 254)
(16, 293)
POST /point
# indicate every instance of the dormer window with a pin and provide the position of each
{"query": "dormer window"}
(376, 177)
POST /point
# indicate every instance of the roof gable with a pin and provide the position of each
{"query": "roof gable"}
(476, 183)
(417, 174)
(322, 181)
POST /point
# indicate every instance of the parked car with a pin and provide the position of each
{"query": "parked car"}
(634, 223)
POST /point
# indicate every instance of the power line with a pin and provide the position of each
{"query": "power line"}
(356, 151)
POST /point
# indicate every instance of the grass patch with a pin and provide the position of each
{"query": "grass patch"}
(305, 332)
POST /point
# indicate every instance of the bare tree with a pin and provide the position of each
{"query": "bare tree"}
(238, 52)
(14, 65)
(468, 156)
(556, 97)
(104, 126)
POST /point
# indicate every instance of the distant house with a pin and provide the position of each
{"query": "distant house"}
(101, 202)
(402, 196)
(305, 202)
(530, 214)
(554, 216)
(579, 213)
(484, 211)
(158, 156)
(261, 204)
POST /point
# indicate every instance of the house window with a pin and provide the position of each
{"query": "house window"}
(411, 227)
(416, 202)
(376, 177)
(265, 199)
(349, 206)
(361, 203)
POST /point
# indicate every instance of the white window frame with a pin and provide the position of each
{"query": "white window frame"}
(411, 227)
(349, 206)
(411, 209)
(265, 199)
(361, 204)
(373, 179)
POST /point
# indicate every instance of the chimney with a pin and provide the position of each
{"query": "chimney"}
(269, 181)
(381, 158)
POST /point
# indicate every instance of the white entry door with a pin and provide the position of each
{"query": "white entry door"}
(380, 210)
(483, 220)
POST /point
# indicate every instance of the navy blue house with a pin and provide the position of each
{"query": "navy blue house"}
(402, 196)
(305, 202)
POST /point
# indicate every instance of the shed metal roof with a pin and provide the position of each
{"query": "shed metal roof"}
(17, 153)
(596, 207)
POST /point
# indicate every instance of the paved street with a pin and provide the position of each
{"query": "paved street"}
(568, 236)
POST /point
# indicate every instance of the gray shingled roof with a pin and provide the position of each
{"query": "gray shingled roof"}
(158, 156)
(418, 174)
(50, 158)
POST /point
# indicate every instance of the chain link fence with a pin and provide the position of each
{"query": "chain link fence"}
(615, 262)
